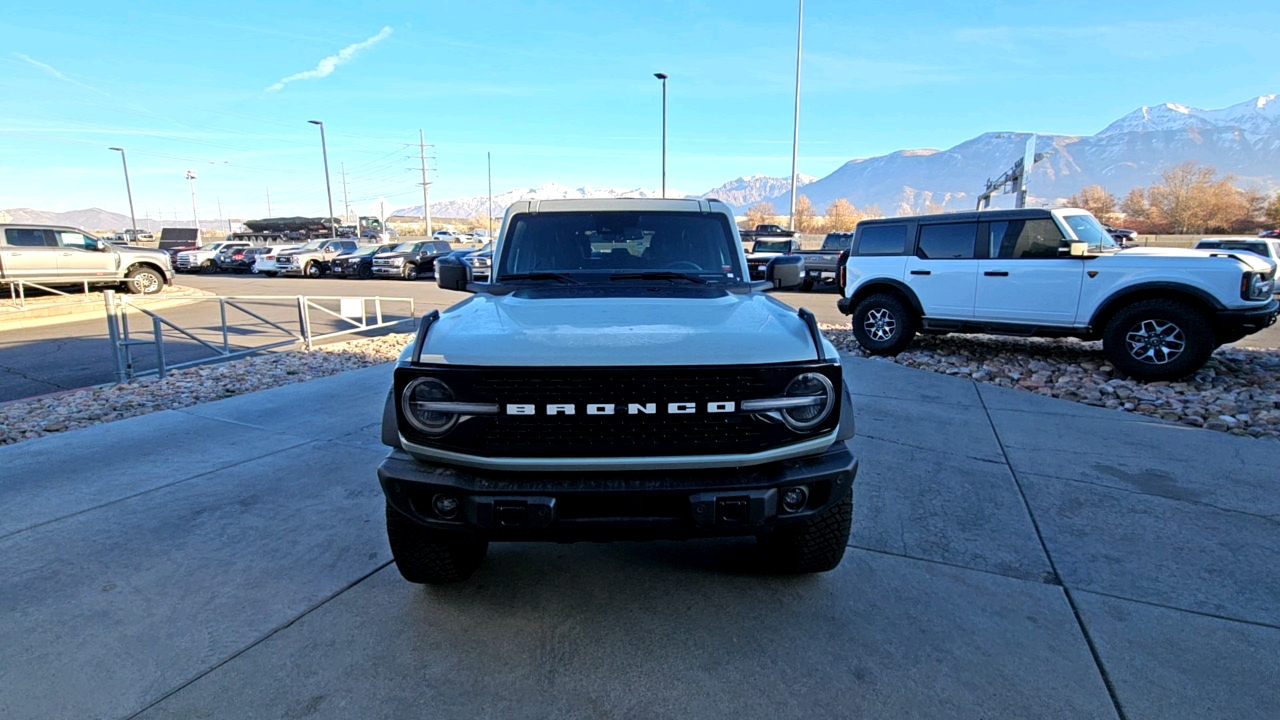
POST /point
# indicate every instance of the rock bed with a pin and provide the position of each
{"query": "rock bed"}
(26, 419)
(1237, 391)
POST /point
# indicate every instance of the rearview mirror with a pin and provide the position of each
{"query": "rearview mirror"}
(1079, 249)
(452, 274)
(785, 271)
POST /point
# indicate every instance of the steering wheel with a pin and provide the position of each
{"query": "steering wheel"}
(685, 265)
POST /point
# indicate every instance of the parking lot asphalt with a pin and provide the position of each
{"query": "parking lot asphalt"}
(37, 361)
(1012, 556)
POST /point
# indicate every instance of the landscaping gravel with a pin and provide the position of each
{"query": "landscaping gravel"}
(1237, 391)
(26, 419)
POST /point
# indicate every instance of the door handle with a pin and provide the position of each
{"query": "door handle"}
(996, 273)
(66, 254)
(921, 272)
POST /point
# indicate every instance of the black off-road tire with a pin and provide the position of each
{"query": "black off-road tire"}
(1188, 324)
(884, 325)
(816, 545)
(429, 557)
(144, 281)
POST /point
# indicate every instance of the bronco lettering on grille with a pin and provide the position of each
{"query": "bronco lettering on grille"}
(675, 408)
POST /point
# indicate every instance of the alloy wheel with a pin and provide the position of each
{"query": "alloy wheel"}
(879, 324)
(1156, 342)
(146, 283)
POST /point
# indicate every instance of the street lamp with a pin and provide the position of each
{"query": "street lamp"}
(663, 78)
(795, 133)
(333, 229)
(191, 178)
(132, 218)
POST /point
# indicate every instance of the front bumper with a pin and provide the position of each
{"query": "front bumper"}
(603, 506)
(1239, 323)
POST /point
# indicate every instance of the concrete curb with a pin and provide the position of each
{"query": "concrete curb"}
(79, 311)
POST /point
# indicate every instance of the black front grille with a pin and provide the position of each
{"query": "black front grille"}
(622, 433)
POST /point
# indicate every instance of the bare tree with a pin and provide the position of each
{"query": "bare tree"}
(1191, 199)
(806, 220)
(842, 216)
(1096, 200)
(1272, 212)
(760, 214)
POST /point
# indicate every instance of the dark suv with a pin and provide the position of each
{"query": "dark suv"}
(411, 260)
(358, 264)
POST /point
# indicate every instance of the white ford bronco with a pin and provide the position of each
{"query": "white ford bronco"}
(1159, 312)
(619, 377)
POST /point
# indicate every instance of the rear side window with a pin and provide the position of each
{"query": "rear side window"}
(24, 237)
(1024, 239)
(883, 240)
(952, 241)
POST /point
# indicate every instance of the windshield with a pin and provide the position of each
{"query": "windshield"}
(604, 244)
(1087, 229)
(367, 250)
(406, 247)
(778, 246)
(1257, 248)
(313, 245)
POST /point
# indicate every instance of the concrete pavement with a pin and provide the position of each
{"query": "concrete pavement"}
(1012, 556)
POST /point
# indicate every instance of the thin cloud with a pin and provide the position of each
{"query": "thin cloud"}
(51, 70)
(325, 67)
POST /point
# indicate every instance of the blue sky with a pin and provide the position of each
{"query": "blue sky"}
(563, 91)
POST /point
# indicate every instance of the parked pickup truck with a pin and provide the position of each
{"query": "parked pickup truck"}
(618, 377)
(822, 265)
(762, 251)
(55, 255)
(411, 260)
(312, 259)
(1159, 312)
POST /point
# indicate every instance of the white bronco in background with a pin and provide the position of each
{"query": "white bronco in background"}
(1159, 312)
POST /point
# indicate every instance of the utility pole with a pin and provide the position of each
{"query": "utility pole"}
(328, 187)
(195, 218)
(219, 199)
(663, 78)
(346, 204)
(488, 156)
(795, 135)
(268, 201)
(132, 218)
(426, 196)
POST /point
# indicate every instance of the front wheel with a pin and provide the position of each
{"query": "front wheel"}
(206, 266)
(312, 270)
(366, 272)
(1158, 340)
(427, 556)
(410, 272)
(144, 281)
(884, 325)
(816, 545)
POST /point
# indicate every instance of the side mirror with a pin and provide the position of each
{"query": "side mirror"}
(785, 271)
(1079, 249)
(101, 245)
(452, 274)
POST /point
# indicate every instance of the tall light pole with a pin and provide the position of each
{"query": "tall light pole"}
(795, 135)
(195, 218)
(129, 191)
(663, 78)
(346, 204)
(328, 189)
(426, 194)
(488, 159)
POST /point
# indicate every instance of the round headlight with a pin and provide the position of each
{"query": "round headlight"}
(416, 400)
(807, 417)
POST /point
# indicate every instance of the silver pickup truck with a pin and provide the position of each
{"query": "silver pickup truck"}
(53, 255)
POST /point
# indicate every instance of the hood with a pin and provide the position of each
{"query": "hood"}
(1256, 263)
(709, 328)
(134, 250)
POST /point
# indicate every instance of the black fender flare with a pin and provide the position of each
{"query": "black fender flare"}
(871, 287)
(1108, 306)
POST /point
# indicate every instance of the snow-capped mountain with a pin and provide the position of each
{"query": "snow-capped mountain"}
(743, 192)
(1242, 140)
(466, 207)
(1260, 115)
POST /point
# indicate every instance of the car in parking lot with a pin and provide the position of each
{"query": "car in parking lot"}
(358, 264)
(264, 263)
(53, 255)
(1262, 247)
(620, 377)
(411, 260)
(238, 259)
(1159, 312)
(205, 257)
(480, 261)
(312, 259)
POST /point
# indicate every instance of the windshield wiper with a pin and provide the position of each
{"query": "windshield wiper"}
(658, 275)
(541, 276)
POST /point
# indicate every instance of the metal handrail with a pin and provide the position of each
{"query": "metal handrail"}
(19, 299)
(122, 342)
